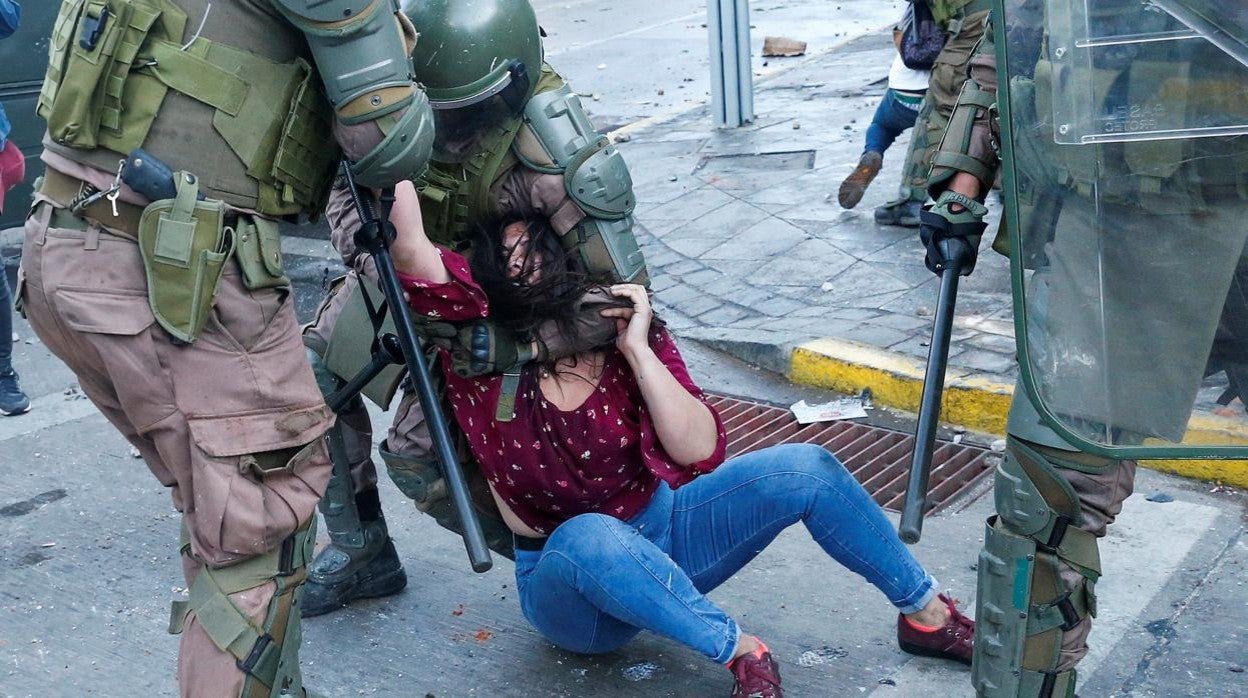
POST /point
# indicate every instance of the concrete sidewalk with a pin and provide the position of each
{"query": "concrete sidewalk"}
(749, 255)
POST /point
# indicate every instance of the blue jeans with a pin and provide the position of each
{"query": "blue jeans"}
(891, 119)
(599, 580)
(6, 323)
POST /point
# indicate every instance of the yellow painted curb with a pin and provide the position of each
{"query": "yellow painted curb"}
(896, 380)
(974, 401)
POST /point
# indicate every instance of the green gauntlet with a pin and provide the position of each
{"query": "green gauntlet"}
(482, 347)
(950, 230)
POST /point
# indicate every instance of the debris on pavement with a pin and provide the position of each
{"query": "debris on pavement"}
(641, 672)
(1159, 497)
(782, 46)
(846, 408)
(823, 655)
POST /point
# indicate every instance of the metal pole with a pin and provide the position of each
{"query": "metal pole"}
(732, 82)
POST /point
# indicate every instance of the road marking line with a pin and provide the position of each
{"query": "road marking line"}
(46, 412)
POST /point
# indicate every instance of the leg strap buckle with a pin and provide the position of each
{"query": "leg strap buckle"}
(256, 657)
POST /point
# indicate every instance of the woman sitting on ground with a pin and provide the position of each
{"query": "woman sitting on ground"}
(611, 470)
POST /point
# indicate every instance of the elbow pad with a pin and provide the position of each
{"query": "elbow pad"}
(595, 179)
(361, 53)
(970, 143)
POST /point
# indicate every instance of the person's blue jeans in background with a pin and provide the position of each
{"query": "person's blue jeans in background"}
(599, 580)
(891, 119)
(6, 323)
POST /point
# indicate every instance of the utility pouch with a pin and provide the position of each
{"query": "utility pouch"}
(258, 249)
(94, 44)
(185, 245)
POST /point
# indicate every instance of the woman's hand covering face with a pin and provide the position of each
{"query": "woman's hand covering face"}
(632, 323)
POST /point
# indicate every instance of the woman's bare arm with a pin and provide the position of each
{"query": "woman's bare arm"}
(683, 423)
(414, 253)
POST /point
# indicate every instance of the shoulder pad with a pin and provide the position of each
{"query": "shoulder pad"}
(327, 11)
(593, 169)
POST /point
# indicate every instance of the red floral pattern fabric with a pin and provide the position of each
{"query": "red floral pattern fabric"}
(550, 464)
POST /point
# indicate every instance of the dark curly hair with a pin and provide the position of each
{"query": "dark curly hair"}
(523, 304)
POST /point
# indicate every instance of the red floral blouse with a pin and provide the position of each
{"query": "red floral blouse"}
(549, 464)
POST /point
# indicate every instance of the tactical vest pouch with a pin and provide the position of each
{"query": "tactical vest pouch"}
(94, 44)
(184, 245)
(258, 249)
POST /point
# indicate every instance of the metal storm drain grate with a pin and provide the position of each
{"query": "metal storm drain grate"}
(878, 458)
(766, 162)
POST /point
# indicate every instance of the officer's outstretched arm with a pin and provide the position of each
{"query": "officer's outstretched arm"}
(361, 49)
(596, 218)
(965, 164)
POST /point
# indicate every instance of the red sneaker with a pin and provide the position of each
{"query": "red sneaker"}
(953, 640)
(757, 674)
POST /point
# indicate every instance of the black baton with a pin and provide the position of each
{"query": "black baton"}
(957, 250)
(374, 235)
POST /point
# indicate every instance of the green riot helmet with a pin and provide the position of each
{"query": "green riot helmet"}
(471, 50)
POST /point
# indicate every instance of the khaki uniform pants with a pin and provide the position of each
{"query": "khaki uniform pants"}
(197, 413)
(1101, 496)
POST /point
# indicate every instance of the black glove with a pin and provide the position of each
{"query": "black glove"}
(950, 230)
(483, 347)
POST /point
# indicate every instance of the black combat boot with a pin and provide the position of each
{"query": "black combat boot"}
(904, 212)
(362, 566)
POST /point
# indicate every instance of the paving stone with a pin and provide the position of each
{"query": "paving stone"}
(695, 306)
(769, 238)
(660, 283)
(989, 361)
(688, 206)
(994, 342)
(875, 335)
(855, 314)
(702, 277)
(687, 266)
(901, 322)
(725, 315)
(696, 237)
(659, 255)
(809, 264)
(676, 293)
(860, 280)
(819, 326)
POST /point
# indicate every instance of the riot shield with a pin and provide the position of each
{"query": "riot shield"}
(1125, 156)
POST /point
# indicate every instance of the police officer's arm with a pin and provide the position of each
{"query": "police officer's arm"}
(361, 49)
(343, 220)
(965, 164)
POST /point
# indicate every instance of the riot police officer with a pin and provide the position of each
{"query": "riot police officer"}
(512, 140)
(1123, 138)
(175, 315)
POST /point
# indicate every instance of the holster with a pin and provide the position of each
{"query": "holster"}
(185, 245)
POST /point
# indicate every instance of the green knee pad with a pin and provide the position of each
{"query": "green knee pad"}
(269, 652)
(1023, 605)
(422, 481)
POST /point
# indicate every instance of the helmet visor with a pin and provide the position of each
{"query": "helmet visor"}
(456, 131)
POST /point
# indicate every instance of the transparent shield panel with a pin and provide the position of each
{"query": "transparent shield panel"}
(1091, 41)
(1128, 153)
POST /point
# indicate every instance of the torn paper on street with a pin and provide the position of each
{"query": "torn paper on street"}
(847, 408)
